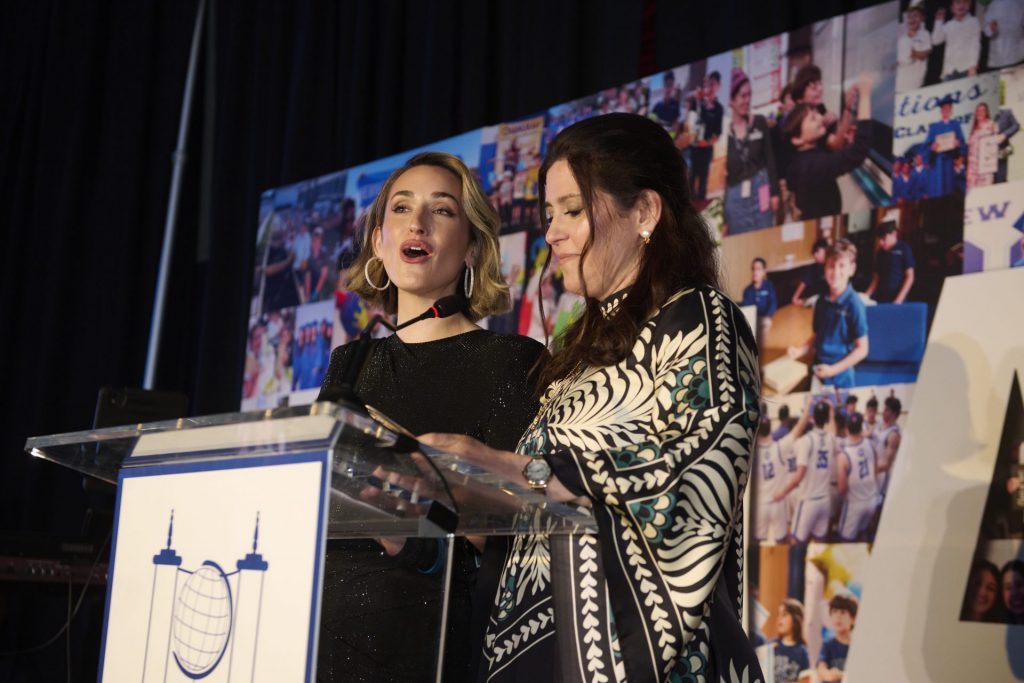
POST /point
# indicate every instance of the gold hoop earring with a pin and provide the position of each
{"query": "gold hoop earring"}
(366, 274)
(468, 280)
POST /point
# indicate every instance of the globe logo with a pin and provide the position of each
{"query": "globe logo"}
(202, 621)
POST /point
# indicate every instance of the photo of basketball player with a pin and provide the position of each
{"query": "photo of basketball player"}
(887, 441)
(775, 465)
(857, 471)
(815, 462)
(835, 463)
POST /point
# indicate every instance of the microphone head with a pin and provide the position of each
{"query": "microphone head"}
(449, 305)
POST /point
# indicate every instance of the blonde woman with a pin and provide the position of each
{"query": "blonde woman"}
(430, 233)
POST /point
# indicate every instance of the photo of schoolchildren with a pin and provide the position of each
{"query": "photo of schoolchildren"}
(806, 608)
(701, 91)
(900, 259)
(906, 254)
(298, 243)
(814, 168)
(913, 48)
(959, 32)
(761, 293)
(839, 335)
(994, 587)
(946, 138)
(562, 116)
(510, 157)
(312, 344)
(709, 113)
(668, 96)
(894, 266)
(631, 98)
(761, 86)
(822, 468)
(964, 38)
(794, 264)
(267, 378)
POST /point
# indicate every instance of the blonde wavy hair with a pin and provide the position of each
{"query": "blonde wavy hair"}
(490, 293)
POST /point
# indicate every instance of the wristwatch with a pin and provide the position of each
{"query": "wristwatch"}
(537, 473)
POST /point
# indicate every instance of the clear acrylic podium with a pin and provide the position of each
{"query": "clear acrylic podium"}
(379, 483)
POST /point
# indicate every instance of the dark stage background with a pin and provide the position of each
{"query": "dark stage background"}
(91, 97)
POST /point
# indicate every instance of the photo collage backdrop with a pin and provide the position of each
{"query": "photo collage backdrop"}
(881, 142)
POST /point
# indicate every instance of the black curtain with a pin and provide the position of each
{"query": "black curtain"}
(88, 115)
(91, 98)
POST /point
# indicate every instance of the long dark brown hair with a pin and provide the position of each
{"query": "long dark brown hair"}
(624, 155)
(795, 609)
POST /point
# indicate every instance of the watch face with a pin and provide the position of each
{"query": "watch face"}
(537, 471)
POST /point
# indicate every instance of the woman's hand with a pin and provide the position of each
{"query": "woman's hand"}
(504, 463)
(466, 447)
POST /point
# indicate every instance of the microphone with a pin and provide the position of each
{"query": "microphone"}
(444, 307)
(345, 390)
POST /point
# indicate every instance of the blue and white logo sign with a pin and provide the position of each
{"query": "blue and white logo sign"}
(216, 571)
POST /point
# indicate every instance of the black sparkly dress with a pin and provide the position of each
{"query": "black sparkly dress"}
(379, 613)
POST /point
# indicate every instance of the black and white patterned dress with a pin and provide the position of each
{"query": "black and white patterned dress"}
(661, 444)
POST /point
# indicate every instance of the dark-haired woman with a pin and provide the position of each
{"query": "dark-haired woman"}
(430, 233)
(751, 186)
(648, 419)
(981, 603)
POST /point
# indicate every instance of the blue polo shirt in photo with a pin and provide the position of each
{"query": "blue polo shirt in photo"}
(837, 326)
(891, 266)
(833, 653)
(790, 660)
(763, 297)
